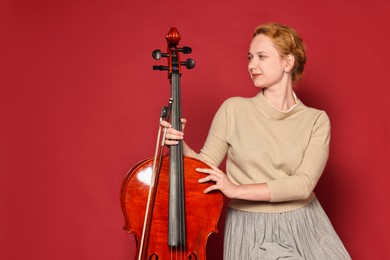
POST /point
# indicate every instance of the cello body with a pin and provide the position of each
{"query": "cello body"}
(202, 210)
(164, 205)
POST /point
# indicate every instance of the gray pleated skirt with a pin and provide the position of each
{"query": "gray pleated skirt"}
(304, 233)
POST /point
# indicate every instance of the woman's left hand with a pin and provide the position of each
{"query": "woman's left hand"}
(222, 182)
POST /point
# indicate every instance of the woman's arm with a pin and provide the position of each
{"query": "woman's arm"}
(301, 184)
(254, 192)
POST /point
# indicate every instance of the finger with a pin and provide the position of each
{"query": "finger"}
(215, 168)
(216, 174)
(165, 124)
(173, 136)
(212, 166)
(174, 139)
(183, 123)
(171, 142)
(206, 179)
(174, 132)
(170, 129)
(211, 188)
(204, 170)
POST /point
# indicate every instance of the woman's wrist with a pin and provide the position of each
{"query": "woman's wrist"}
(253, 192)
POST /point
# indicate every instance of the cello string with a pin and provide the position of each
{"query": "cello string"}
(182, 216)
(182, 235)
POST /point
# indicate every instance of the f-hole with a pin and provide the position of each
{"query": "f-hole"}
(192, 256)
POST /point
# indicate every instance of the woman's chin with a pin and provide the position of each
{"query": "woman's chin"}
(257, 85)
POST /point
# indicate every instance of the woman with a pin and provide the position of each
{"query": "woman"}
(276, 149)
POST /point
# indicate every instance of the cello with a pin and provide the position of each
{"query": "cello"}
(163, 203)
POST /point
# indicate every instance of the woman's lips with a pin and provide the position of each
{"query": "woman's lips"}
(255, 76)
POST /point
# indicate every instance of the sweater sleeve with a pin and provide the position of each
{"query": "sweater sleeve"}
(301, 183)
(216, 146)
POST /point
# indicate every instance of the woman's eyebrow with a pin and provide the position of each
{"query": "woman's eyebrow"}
(257, 52)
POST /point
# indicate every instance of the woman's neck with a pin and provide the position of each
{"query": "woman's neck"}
(282, 99)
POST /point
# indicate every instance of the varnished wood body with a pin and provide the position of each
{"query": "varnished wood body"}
(202, 211)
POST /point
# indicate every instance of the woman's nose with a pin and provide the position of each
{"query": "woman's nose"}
(251, 65)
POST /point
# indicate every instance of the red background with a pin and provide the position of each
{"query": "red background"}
(80, 103)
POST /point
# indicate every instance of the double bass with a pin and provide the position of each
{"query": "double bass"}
(163, 203)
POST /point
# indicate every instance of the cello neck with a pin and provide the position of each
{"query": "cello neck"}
(176, 215)
(176, 210)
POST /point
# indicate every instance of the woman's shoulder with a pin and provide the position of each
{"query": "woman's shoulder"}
(236, 106)
(313, 111)
(237, 101)
(319, 116)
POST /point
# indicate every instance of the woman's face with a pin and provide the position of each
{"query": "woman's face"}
(266, 66)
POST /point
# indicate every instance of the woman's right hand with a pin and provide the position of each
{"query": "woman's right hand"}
(172, 135)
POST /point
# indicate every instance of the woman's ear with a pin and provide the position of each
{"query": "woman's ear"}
(290, 60)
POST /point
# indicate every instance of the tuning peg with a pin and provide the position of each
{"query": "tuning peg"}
(189, 63)
(185, 50)
(157, 54)
(156, 67)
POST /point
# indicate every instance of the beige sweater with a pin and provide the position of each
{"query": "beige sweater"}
(287, 150)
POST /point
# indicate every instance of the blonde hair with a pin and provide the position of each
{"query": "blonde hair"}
(286, 41)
